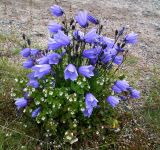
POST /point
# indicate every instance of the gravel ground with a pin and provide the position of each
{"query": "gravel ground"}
(141, 16)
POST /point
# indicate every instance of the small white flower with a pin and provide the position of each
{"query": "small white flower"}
(51, 93)
(24, 110)
(43, 118)
(84, 79)
(37, 102)
(68, 138)
(97, 132)
(25, 89)
(21, 81)
(70, 100)
(74, 140)
(101, 83)
(53, 106)
(61, 93)
(72, 113)
(42, 99)
(33, 89)
(74, 125)
(25, 125)
(66, 132)
(16, 79)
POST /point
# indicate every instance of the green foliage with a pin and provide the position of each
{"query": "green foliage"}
(152, 107)
(61, 107)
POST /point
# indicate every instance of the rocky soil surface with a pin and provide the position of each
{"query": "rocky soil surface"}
(142, 16)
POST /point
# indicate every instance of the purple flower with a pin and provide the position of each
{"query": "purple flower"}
(41, 70)
(70, 72)
(34, 52)
(21, 102)
(31, 76)
(25, 52)
(63, 53)
(34, 83)
(122, 85)
(135, 93)
(53, 45)
(36, 112)
(131, 38)
(86, 71)
(61, 38)
(116, 89)
(81, 18)
(113, 101)
(123, 97)
(87, 112)
(54, 58)
(53, 27)
(92, 53)
(90, 101)
(107, 41)
(93, 19)
(26, 95)
(106, 57)
(78, 35)
(28, 63)
(56, 11)
(91, 36)
(42, 60)
(118, 59)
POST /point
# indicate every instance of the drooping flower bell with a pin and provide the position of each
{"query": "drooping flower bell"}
(34, 52)
(92, 53)
(78, 35)
(25, 52)
(86, 71)
(113, 101)
(56, 11)
(122, 85)
(118, 59)
(61, 38)
(93, 19)
(42, 60)
(28, 63)
(53, 45)
(81, 18)
(41, 70)
(87, 112)
(54, 58)
(90, 101)
(131, 38)
(70, 72)
(91, 36)
(135, 93)
(36, 112)
(33, 83)
(21, 102)
(53, 27)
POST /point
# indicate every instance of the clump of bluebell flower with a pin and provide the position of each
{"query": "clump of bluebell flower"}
(72, 83)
